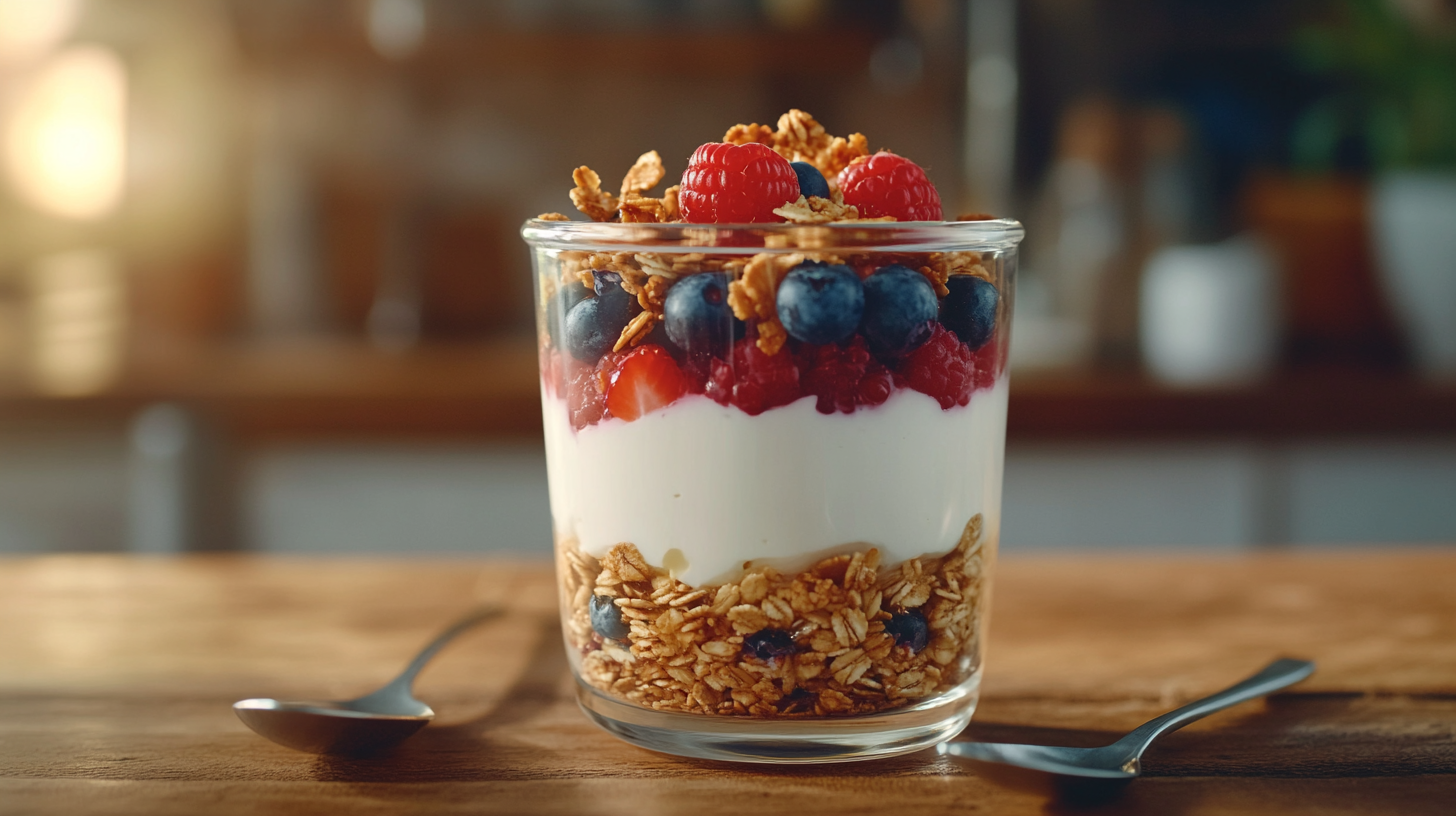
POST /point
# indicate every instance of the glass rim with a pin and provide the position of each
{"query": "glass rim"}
(749, 239)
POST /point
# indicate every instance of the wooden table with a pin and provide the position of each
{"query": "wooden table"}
(116, 675)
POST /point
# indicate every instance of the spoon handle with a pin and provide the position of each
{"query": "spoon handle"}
(406, 678)
(1275, 676)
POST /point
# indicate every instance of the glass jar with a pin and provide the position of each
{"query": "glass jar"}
(775, 457)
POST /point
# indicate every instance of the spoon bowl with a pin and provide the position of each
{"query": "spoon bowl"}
(369, 724)
(327, 727)
(1123, 759)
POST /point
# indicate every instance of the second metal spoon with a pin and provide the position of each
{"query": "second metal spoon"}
(1123, 759)
(364, 725)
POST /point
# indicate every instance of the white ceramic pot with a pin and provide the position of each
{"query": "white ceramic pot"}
(1413, 223)
(1209, 314)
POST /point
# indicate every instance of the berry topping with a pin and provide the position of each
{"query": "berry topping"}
(900, 308)
(769, 644)
(606, 618)
(843, 377)
(811, 181)
(559, 305)
(696, 314)
(970, 309)
(643, 380)
(820, 303)
(887, 184)
(736, 184)
(755, 381)
(585, 403)
(593, 325)
(942, 368)
(909, 629)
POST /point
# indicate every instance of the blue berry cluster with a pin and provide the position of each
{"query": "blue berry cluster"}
(895, 308)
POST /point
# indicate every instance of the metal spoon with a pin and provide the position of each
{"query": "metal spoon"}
(365, 725)
(1122, 759)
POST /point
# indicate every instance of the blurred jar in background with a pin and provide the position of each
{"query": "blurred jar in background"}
(1081, 237)
(1210, 313)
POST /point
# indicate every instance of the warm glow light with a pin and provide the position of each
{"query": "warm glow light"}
(78, 322)
(65, 142)
(30, 28)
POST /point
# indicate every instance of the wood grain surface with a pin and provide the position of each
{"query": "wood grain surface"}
(116, 676)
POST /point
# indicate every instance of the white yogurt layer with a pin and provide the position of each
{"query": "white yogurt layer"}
(722, 487)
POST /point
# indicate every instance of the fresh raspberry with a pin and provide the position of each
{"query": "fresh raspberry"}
(585, 402)
(755, 382)
(736, 184)
(697, 369)
(944, 368)
(643, 380)
(989, 364)
(843, 377)
(886, 184)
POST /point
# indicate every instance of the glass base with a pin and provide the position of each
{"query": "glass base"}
(869, 736)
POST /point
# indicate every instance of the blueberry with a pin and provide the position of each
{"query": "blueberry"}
(697, 316)
(557, 307)
(811, 181)
(820, 303)
(970, 309)
(770, 644)
(606, 618)
(607, 283)
(909, 629)
(899, 311)
(593, 325)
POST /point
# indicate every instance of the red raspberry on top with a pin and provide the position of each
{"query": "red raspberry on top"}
(736, 184)
(887, 184)
(944, 368)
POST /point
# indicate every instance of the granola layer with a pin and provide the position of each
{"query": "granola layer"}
(844, 634)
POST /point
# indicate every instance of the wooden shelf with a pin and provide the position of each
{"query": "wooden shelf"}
(566, 54)
(1298, 404)
(490, 390)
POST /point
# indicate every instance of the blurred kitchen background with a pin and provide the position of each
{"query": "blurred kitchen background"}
(261, 285)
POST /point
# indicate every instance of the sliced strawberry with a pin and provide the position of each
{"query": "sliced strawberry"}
(643, 381)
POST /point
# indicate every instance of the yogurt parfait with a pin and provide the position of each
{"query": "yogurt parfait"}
(774, 401)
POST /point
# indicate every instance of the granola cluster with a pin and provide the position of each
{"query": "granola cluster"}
(843, 637)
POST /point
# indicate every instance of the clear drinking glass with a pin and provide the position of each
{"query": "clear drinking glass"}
(771, 550)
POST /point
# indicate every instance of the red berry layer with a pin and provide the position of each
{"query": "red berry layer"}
(841, 377)
(756, 381)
